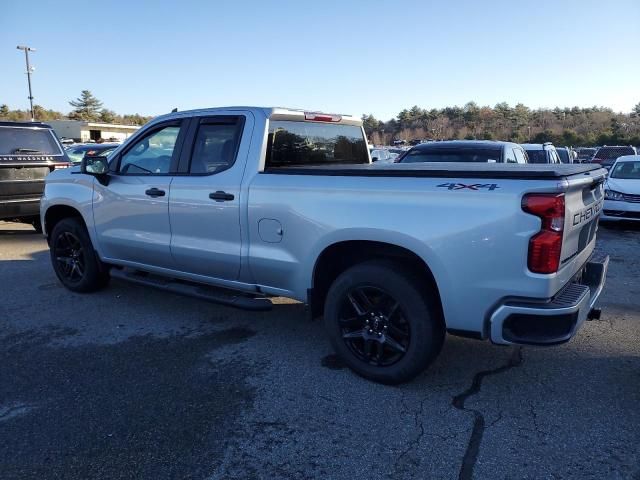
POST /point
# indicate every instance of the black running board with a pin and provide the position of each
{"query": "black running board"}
(229, 298)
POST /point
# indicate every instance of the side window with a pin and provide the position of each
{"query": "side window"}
(509, 156)
(554, 156)
(519, 154)
(152, 154)
(214, 147)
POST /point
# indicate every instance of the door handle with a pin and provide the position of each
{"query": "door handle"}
(154, 192)
(221, 196)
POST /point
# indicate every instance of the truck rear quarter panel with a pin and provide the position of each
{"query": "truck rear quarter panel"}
(475, 241)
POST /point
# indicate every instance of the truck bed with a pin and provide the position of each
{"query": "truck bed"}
(443, 170)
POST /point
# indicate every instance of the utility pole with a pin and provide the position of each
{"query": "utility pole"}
(29, 70)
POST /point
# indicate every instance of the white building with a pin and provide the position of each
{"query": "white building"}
(82, 131)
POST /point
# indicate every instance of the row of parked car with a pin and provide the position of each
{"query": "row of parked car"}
(29, 151)
(622, 190)
(500, 152)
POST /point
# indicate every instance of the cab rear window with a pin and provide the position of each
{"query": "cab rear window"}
(27, 141)
(298, 144)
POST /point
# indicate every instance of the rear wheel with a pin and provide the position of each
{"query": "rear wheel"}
(382, 322)
(74, 260)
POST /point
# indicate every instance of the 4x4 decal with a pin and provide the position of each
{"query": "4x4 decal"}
(473, 186)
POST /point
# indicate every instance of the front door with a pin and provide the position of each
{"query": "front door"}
(204, 205)
(131, 213)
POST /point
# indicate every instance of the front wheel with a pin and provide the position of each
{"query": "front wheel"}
(73, 258)
(382, 322)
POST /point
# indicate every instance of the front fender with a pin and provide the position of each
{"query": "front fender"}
(71, 190)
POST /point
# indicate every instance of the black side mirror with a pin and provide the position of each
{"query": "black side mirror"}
(374, 159)
(96, 165)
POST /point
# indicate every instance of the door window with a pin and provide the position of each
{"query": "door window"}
(152, 154)
(214, 148)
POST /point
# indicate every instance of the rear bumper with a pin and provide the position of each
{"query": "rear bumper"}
(23, 207)
(552, 321)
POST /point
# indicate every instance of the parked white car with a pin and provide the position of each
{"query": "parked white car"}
(622, 190)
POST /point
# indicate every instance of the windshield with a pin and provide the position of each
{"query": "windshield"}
(537, 156)
(452, 155)
(293, 143)
(626, 171)
(27, 141)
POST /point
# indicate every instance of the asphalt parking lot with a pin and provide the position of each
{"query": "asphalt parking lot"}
(135, 383)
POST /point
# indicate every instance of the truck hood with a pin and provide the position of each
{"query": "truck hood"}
(62, 173)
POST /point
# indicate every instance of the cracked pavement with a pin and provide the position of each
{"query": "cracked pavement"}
(135, 383)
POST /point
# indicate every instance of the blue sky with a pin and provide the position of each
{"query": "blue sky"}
(341, 56)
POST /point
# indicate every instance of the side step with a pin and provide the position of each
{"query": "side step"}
(203, 292)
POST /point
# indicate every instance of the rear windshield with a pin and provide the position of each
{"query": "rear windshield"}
(609, 153)
(626, 171)
(537, 156)
(452, 155)
(305, 143)
(27, 141)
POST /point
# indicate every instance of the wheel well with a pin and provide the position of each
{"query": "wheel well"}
(56, 213)
(340, 256)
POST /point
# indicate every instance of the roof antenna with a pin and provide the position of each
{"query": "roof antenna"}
(174, 110)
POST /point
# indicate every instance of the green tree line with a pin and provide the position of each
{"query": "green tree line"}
(86, 107)
(562, 126)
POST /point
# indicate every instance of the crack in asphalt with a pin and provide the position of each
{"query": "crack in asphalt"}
(473, 447)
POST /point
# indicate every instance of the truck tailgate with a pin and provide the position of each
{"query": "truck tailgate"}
(22, 182)
(583, 203)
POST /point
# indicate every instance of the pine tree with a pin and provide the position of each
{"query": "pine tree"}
(86, 107)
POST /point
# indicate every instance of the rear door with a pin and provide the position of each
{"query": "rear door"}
(131, 213)
(205, 200)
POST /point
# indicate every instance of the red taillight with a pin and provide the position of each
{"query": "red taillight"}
(545, 246)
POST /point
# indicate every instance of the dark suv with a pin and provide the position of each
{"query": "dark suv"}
(28, 152)
(606, 156)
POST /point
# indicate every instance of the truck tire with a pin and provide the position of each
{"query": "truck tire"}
(74, 259)
(383, 322)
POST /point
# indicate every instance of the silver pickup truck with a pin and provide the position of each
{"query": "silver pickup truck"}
(240, 204)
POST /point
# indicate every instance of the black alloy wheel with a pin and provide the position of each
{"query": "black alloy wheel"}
(373, 325)
(384, 321)
(74, 259)
(70, 257)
